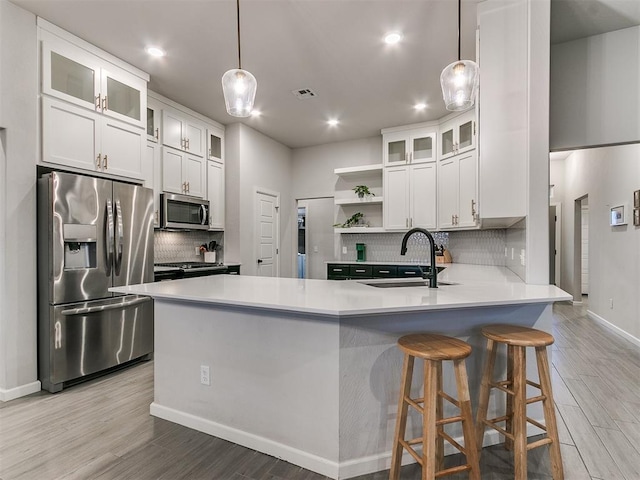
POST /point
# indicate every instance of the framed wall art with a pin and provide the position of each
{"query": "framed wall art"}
(618, 216)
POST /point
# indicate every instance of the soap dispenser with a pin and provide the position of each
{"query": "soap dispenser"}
(361, 255)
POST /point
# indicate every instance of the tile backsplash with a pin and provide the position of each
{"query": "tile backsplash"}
(477, 247)
(181, 246)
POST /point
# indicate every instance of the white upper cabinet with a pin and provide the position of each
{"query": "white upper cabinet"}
(152, 176)
(94, 110)
(457, 191)
(79, 77)
(182, 132)
(183, 173)
(154, 112)
(410, 197)
(458, 135)
(409, 146)
(215, 144)
(215, 195)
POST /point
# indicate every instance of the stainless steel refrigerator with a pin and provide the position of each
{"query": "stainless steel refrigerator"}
(93, 234)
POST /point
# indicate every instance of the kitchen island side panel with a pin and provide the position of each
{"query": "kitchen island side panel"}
(273, 376)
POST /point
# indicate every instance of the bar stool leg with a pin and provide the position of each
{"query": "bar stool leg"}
(508, 443)
(483, 404)
(439, 416)
(519, 421)
(429, 420)
(471, 451)
(544, 374)
(401, 420)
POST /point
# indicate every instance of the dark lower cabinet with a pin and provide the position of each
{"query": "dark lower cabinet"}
(355, 271)
(233, 270)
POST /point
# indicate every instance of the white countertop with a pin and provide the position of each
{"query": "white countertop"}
(479, 286)
(400, 264)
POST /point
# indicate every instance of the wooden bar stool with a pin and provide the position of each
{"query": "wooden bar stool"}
(517, 339)
(433, 349)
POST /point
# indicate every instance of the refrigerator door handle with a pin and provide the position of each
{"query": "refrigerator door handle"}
(103, 308)
(119, 237)
(110, 236)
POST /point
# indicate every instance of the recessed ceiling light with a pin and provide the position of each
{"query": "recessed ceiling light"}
(420, 106)
(155, 51)
(392, 38)
(255, 113)
(333, 122)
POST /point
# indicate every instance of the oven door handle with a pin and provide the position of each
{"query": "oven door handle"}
(103, 308)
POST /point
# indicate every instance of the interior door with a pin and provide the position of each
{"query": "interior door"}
(133, 218)
(266, 234)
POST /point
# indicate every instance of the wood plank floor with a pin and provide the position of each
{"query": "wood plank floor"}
(102, 429)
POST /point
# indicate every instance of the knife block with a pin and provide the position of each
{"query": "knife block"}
(210, 257)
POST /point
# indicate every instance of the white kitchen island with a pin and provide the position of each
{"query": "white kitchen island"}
(308, 370)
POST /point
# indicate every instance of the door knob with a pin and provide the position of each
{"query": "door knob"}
(259, 260)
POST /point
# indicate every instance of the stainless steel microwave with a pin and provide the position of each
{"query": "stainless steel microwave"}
(183, 212)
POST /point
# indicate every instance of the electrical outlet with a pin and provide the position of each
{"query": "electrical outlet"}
(197, 250)
(344, 250)
(205, 379)
(315, 249)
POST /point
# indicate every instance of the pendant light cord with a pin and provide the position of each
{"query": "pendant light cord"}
(240, 56)
(459, 7)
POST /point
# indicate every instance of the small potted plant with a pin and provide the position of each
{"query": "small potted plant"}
(362, 190)
(353, 221)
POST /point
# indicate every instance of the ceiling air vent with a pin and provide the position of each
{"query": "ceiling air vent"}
(304, 93)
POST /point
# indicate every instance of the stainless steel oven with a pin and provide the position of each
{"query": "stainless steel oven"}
(181, 211)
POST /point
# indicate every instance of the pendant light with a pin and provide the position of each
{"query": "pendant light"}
(239, 86)
(459, 81)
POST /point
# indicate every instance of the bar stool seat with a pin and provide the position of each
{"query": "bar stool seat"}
(517, 339)
(434, 349)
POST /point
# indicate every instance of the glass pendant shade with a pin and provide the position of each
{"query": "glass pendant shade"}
(239, 89)
(459, 82)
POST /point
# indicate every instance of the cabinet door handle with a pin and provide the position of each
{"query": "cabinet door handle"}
(156, 216)
(411, 222)
(105, 103)
(452, 221)
(184, 187)
(187, 144)
(98, 102)
(188, 187)
(473, 208)
(406, 222)
(106, 162)
(157, 135)
(99, 161)
(384, 271)
(210, 154)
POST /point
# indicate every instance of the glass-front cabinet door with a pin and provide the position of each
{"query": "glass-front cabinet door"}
(214, 145)
(423, 148)
(466, 136)
(71, 74)
(447, 142)
(396, 148)
(153, 123)
(122, 97)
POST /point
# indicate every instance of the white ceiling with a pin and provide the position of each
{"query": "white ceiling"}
(331, 46)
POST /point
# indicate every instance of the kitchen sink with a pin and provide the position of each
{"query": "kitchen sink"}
(401, 282)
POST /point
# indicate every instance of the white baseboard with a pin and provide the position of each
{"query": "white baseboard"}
(323, 466)
(306, 460)
(21, 391)
(611, 326)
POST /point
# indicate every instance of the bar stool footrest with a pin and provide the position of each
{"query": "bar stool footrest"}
(539, 443)
(452, 470)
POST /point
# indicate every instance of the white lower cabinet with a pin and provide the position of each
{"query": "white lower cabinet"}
(215, 194)
(410, 197)
(152, 176)
(76, 137)
(457, 191)
(182, 173)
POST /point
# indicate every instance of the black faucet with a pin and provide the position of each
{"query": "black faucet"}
(433, 274)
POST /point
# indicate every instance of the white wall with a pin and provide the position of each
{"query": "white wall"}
(608, 175)
(256, 161)
(595, 99)
(18, 107)
(313, 166)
